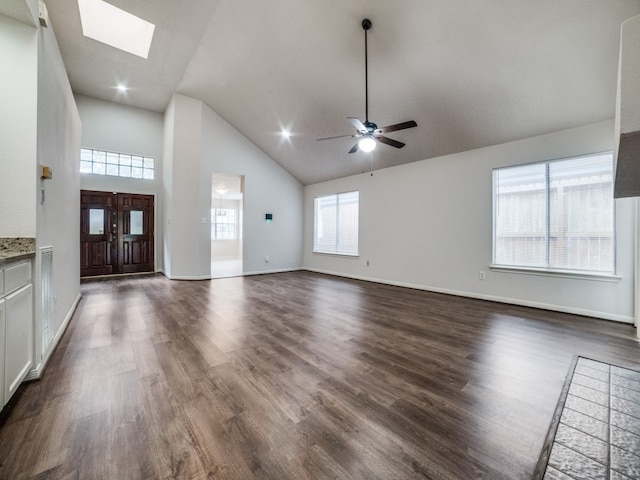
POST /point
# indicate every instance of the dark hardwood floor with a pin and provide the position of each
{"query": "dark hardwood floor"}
(297, 376)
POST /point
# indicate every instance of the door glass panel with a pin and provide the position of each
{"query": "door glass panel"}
(96, 221)
(135, 217)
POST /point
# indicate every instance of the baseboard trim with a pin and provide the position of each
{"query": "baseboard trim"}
(492, 298)
(36, 373)
(188, 277)
(266, 272)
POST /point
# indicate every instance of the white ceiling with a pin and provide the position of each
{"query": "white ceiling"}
(471, 74)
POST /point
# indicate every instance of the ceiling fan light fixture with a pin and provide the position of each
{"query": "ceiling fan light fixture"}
(367, 144)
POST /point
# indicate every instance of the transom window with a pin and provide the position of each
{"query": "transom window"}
(336, 224)
(556, 215)
(100, 162)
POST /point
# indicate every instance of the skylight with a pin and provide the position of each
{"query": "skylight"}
(115, 27)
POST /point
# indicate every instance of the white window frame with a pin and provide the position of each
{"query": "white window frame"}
(336, 250)
(215, 223)
(546, 270)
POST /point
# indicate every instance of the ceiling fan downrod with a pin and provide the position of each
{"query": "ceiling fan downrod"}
(366, 25)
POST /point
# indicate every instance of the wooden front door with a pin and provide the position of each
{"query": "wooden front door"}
(116, 233)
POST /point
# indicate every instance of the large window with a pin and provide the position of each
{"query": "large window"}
(223, 224)
(100, 162)
(336, 224)
(556, 215)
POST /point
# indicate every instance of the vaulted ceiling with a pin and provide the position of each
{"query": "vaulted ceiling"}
(471, 73)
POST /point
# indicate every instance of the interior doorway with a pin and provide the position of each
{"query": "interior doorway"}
(227, 193)
(116, 233)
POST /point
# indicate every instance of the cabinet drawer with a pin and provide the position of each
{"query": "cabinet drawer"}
(16, 276)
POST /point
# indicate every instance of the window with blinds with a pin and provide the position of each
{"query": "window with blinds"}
(336, 224)
(556, 215)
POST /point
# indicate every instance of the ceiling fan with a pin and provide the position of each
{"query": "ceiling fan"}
(367, 131)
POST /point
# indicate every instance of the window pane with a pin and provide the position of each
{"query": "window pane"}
(521, 216)
(336, 224)
(96, 221)
(125, 160)
(147, 174)
(125, 171)
(98, 168)
(112, 169)
(581, 214)
(135, 222)
(99, 156)
(557, 215)
(136, 172)
(112, 158)
(136, 161)
(86, 154)
(85, 167)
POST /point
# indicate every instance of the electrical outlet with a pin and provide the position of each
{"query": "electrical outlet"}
(266, 259)
(481, 275)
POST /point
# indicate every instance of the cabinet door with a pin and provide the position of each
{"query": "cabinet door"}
(2, 350)
(18, 354)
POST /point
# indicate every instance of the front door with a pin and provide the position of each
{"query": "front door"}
(116, 233)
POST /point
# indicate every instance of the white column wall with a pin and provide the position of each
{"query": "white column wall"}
(18, 128)
(202, 142)
(58, 146)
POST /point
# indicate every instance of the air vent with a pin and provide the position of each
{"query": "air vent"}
(46, 287)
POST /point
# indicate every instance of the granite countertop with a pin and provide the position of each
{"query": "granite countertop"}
(15, 249)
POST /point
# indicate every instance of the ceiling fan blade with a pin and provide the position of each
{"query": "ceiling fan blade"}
(337, 136)
(358, 124)
(354, 149)
(389, 141)
(397, 126)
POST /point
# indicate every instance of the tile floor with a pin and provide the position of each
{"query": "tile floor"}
(598, 436)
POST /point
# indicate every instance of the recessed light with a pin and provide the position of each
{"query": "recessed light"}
(285, 133)
(115, 27)
(122, 88)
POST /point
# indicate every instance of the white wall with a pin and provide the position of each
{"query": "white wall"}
(18, 128)
(185, 234)
(429, 225)
(58, 217)
(203, 142)
(119, 128)
(268, 188)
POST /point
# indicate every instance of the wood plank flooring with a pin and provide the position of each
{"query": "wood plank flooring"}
(297, 376)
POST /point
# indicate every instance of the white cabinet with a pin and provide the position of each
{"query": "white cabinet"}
(18, 338)
(2, 344)
(16, 327)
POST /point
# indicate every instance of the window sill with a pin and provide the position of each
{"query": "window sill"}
(332, 254)
(601, 277)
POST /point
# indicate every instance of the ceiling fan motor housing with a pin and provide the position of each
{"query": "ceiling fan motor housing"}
(371, 127)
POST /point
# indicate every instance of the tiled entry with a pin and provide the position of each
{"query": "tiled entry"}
(598, 436)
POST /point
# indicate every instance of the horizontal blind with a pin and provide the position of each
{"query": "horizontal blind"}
(336, 224)
(581, 214)
(520, 220)
(557, 215)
